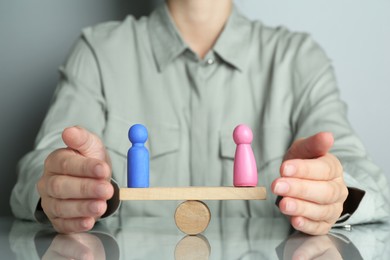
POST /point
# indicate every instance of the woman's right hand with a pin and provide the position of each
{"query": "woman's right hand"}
(76, 182)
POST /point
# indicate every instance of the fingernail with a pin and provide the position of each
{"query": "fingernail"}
(290, 206)
(101, 190)
(281, 188)
(99, 171)
(289, 170)
(86, 223)
(95, 207)
(300, 223)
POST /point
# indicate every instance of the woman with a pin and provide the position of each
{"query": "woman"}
(190, 72)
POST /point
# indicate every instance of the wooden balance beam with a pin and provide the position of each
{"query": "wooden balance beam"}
(193, 193)
(193, 216)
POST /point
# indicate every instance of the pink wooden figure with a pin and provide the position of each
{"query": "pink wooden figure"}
(245, 169)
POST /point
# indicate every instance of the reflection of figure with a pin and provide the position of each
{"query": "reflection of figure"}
(227, 238)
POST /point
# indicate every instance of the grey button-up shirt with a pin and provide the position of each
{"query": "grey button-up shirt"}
(279, 83)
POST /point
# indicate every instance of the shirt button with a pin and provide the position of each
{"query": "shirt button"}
(210, 61)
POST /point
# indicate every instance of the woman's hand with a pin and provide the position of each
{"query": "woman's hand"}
(76, 182)
(312, 185)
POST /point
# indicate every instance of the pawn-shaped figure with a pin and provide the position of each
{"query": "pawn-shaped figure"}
(138, 158)
(245, 169)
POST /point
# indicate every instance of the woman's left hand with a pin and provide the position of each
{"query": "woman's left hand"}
(311, 184)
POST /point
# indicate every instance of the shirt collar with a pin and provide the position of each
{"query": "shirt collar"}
(231, 46)
(166, 41)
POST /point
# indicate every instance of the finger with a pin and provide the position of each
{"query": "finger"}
(84, 142)
(311, 147)
(320, 192)
(72, 225)
(50, 255)
(66, 161)
(294, 207)
(309, 226)
(331, 253)
(69, 247)
(317, 247)
(327, 167)
(56, 208)
(68, 187)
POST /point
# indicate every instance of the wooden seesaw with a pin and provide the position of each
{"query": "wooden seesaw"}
(193, 216)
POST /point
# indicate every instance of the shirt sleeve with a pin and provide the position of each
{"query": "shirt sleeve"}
(78, 100)
(319, 108)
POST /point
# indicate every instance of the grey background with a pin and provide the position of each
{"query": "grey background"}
(35, 37)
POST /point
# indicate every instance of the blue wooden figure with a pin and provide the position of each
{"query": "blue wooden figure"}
(138, 158)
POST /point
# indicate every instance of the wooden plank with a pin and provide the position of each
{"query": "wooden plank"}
(193, 193)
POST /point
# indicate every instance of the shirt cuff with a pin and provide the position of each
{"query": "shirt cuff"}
(351, 204)
(40, 215)
(113, 203)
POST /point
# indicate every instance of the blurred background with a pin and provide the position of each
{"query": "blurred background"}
(35, 38)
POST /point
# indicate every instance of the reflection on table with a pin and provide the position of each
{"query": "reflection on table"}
(230, 238)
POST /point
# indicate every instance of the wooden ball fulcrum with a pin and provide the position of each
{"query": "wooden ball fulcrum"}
(192, 217)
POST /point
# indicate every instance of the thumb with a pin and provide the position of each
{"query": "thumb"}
(86, 143)
(311, 147)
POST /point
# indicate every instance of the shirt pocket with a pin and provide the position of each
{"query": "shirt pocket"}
(116, 136)
(164, 147)
(227, 145)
